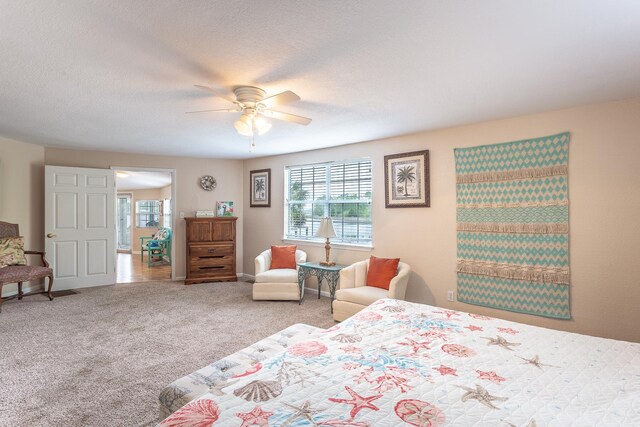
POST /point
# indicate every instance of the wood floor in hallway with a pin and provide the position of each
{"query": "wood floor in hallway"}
(131, 269)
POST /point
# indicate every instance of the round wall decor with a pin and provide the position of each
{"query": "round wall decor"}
(208, 182)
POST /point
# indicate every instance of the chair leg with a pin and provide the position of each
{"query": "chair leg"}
(20, 290)
(50, 287)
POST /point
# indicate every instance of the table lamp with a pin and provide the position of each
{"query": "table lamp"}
(326, 231)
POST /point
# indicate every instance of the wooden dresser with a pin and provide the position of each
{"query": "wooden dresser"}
(211, 250)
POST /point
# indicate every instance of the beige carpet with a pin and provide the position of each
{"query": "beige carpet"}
(101, 357)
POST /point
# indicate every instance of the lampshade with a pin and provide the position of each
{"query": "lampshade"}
(261, 125)
(244, 125)
(247, 124)
(326, 229)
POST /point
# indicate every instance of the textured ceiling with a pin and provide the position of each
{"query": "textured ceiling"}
(118, 75)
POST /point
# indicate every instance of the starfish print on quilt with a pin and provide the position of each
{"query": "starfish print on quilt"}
(501, 342)
(359, 402)
(481, 395)
(445, 370)
(448, 313)
(535, 361)
(255, 417)
(305, 412)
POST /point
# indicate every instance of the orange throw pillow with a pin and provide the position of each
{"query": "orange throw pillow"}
(283, 257)
(381, 271)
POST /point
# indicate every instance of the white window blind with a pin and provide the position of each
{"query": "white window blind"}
(147, 213)
(340, 190)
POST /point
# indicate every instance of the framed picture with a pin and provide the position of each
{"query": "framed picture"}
(224, 208)
(406, 180)
(260, 188)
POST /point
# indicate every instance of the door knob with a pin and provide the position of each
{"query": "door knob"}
(51, 235)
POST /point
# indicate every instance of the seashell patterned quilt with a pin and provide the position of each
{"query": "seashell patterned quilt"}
(239, 364)
(404, 364)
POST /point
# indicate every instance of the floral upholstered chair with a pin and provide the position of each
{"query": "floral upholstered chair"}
(13, 263)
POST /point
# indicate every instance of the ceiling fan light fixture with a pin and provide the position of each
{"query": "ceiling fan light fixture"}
(247, 125)
(244, 125)
(262, 126)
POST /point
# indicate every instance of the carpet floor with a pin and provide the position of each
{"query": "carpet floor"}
(102, 356)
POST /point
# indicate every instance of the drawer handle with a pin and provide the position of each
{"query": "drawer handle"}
(212, 257)
(209, 268)
(212, 250)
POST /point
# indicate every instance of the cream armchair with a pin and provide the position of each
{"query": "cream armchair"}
(354, 294)
(278, 284)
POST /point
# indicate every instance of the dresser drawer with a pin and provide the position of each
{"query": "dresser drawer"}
(211, 270)
(210, 260)
(205, 250)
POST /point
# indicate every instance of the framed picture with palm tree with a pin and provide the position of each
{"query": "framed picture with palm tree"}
(406, 179)
(260, 188)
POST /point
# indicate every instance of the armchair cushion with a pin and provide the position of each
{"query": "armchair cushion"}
(23, 273)
(280, 275)
(381, 271)
(364, 295)
(283, 257)
(12, 251)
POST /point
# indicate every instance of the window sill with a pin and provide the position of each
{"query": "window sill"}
(345, 246)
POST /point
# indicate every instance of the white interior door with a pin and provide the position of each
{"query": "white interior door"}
(80, 226)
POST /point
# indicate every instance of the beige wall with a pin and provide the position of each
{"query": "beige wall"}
(604, 193)
(189, 196)
(165, 192)
(22, 194)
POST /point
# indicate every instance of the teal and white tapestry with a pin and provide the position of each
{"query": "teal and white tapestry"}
(513, 226)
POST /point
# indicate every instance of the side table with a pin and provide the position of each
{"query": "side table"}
(329, 272)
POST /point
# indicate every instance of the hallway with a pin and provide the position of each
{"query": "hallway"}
(130, 269)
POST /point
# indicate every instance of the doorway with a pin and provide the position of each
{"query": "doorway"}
(144, 209)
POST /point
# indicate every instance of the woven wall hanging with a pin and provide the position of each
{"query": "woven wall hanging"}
(513, 226)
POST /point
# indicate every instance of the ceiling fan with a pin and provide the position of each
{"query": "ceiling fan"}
(253, 103)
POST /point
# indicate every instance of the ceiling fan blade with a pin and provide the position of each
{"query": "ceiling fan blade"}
(216, 93)
(224, 110)
(280, 99)
(286, 117)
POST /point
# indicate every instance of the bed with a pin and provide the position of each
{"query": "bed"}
(399, 363)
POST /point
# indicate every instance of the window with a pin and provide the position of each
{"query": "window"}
(147, 213)
(340, 190)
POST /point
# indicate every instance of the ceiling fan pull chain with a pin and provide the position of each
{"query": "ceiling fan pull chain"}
(253, 136)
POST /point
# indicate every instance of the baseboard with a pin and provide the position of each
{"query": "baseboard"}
(247, 276)
(183, 278)
(25, 289)
(314, 291)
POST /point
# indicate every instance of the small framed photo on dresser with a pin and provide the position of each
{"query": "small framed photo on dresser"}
(260, 188)
(224, 208)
